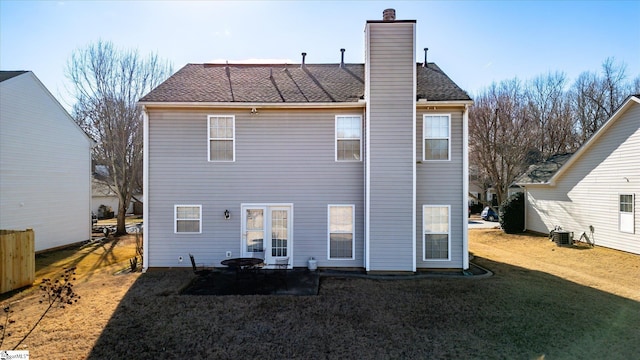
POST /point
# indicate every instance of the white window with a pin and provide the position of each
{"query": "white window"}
(341, 232)
(435, 226)
(221, 137)
(437, 135)
(348, 137)
(626, 213)
(188, 219)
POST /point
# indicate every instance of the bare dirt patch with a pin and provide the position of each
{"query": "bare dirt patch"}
(102, 280)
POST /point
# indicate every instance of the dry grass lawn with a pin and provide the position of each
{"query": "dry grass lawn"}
(563, 303)
(601, 268)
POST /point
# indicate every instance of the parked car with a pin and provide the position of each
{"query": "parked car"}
(488, 214)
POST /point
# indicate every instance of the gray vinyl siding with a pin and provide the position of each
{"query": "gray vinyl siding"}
(587, 193)
(282, 157)
(440, 183)
(45, 166)
(391, 104)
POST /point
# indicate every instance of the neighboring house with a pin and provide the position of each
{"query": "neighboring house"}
(489, 194)
(355, 165)
(103, 194)
(45, 164)
(594, 189)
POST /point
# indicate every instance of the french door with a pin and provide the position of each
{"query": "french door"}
(266, 233)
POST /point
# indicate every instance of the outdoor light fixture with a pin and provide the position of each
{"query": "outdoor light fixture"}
(227, 214)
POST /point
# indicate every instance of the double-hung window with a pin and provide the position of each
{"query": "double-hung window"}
(626, 213)
(221, 137)
(348, 137)
(436, 238)
(437, 137)
(341, 232)
(188, 219)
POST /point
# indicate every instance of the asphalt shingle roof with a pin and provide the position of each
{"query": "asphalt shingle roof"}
(280, 83)
(543, 171)
(6, 75)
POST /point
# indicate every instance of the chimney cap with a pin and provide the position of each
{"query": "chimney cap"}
(389, 15)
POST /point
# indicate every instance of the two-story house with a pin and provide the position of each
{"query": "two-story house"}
(355, 165)
(45, 165)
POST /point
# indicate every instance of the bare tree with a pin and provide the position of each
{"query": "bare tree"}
(595, 98)
(107, 83)
(500, 135)
(512, 126)
(548, 107)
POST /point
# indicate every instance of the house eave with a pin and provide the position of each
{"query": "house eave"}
(544, 184)
(251, 105)
(421, 103)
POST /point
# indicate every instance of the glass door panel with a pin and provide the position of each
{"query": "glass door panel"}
(279, 233)
(254, 230)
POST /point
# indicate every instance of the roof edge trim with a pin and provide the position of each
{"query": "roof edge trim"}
(229, 105)
(578, 154)
(423, 103)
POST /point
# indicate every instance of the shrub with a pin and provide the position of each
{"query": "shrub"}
(512, 214)
(105, 212)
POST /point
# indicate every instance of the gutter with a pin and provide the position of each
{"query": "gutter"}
(250, 105)
(425, 103)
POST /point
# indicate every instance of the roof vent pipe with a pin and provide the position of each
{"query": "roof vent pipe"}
(389, 15)
(425, 57)
(304, 54)
(342, 58)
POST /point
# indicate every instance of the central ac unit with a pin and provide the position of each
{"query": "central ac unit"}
(562, 238)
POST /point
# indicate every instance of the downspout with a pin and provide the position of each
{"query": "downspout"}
(465, 188)
(413, 159)
(526, 207)
(367, 172)
(365, 145)
(145, 190)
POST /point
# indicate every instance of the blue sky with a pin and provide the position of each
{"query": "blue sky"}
(474, 42)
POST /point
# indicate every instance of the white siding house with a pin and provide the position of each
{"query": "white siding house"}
(355, 165)
(596, 191)
(45, 164)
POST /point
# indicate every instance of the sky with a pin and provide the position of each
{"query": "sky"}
(476, 43)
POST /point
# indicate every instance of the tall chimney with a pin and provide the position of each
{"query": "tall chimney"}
(342, 58)
(389, 15)
(304, 54)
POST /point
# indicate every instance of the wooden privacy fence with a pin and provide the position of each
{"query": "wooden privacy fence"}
(17, 259)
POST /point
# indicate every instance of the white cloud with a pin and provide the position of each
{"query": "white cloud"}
(223, 33)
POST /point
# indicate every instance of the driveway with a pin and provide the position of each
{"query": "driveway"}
(475, 222)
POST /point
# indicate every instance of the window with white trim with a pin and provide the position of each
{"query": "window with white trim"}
(435, 226)
(341, 232)
(188, 219)
(221, 137)
(437, 135)
(348, 137)
(626, 218)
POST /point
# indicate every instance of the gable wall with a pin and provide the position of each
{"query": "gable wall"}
(281, 157)
(45, 164)
(587, 194)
